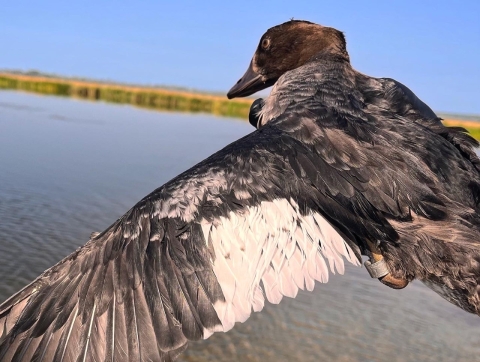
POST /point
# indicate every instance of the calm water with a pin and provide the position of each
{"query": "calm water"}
(69, 167)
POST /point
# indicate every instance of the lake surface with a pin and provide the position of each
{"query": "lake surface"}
(70, 167)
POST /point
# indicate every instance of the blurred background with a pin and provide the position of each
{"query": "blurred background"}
(73, 164)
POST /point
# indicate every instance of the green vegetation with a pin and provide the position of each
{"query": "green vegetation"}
(474, 132)
(146, 97)
(472, 126)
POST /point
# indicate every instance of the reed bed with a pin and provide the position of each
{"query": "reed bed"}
(473, 127)
(146, 97)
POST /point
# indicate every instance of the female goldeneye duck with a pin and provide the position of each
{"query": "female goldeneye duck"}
(341, 165)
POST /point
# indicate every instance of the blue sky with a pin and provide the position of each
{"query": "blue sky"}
(431, 46)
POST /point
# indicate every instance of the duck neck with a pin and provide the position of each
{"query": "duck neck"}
(332, 55)
(328, 80)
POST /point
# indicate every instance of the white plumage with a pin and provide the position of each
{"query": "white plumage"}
(271, 250)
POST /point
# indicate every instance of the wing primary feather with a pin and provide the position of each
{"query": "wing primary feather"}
(132, 329)
(22, 350)
(67, 302)
(178, 298)
(65, 338)
(84, 352)
(196, 324)
(42, 347)
(135, 322)
(110, 331)
(135, 325)
(167, 329)
(120, 351)
(30, 314)
(113, 308)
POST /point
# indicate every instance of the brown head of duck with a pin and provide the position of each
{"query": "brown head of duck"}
(286, 47)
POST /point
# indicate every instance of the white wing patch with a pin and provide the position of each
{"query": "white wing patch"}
(271, 246)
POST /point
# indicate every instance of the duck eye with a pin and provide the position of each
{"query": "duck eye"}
(265, 43)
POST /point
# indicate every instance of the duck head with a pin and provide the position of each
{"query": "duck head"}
(285, 47)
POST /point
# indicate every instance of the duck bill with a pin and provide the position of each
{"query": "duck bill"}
(250, 83)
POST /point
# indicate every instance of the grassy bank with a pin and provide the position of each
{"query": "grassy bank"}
(156, 98)
(473, 127)
(146, 97)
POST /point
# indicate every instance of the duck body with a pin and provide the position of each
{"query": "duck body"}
(420, 178)
(339, 162)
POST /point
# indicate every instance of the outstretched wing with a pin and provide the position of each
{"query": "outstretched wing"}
(193, 257)
(262, 218)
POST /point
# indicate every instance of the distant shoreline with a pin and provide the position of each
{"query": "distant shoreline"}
(146, 97)
(159, 98)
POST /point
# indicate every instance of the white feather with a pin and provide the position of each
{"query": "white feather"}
(274, 247)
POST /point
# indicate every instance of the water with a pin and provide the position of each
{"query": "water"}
(69, 167)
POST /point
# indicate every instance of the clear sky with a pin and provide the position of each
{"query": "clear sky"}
(432, 46)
